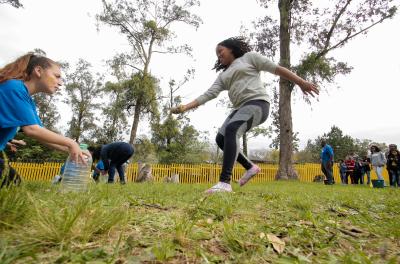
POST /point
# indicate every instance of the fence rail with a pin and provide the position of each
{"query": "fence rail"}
(188, 173)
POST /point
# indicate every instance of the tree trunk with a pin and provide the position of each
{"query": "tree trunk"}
(135, 123)
(138, 106)
(286, 169)
(245, 144)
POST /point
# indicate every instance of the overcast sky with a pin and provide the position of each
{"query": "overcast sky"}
(366, 106)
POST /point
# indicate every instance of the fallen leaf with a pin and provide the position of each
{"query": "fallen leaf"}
(277, 243)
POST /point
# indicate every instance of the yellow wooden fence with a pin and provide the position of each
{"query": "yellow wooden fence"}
(196, 173)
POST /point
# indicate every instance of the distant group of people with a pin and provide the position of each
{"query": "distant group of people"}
(355, 167)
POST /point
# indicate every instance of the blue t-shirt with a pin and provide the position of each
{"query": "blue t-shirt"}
(99, 166)
(326, 153)
(17, 109)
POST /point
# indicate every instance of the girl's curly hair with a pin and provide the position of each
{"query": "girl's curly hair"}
(239, 47)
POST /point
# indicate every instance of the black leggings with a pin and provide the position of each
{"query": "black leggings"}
(239, 122)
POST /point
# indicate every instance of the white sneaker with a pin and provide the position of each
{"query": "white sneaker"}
(220, 187)
(249, 174)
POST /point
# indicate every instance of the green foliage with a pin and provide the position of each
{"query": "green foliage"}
(114, 115)
(314, 66)
(178, 142)
(142, 89)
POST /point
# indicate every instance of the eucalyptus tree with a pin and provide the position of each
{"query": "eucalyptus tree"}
(82, 89)
(318, 28)
(147, 25)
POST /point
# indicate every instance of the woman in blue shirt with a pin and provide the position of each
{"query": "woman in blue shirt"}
(19, 80)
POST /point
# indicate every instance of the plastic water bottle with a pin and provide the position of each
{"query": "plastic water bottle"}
(76, 174)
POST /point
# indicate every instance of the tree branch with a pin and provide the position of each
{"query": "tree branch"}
(328, 38)
(325, 51)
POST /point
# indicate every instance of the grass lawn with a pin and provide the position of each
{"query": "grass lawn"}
(276, 222)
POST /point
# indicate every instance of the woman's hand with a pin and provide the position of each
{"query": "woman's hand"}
(309, 88)
(178, 110)
(76, 153)
(306, 87)
(19, 142)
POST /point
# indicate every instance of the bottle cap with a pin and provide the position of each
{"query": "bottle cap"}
(83, 146)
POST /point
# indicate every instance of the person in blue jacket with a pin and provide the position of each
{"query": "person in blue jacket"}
(113, 156)
(327, 162)
(19, 80)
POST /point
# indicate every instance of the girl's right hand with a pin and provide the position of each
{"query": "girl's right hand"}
(76, 153)
(178, 110)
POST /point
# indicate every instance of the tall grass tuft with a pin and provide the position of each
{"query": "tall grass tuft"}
(69, 218)
(14, 207)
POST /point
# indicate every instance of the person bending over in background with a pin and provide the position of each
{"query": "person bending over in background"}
(113, 156)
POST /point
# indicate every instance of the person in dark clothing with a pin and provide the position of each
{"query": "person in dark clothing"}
(349, 169)
(113, 156)
(342, 171)
(357, 172)
(366, 169)
(393, 165)
(327, 162)
(8, 175)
